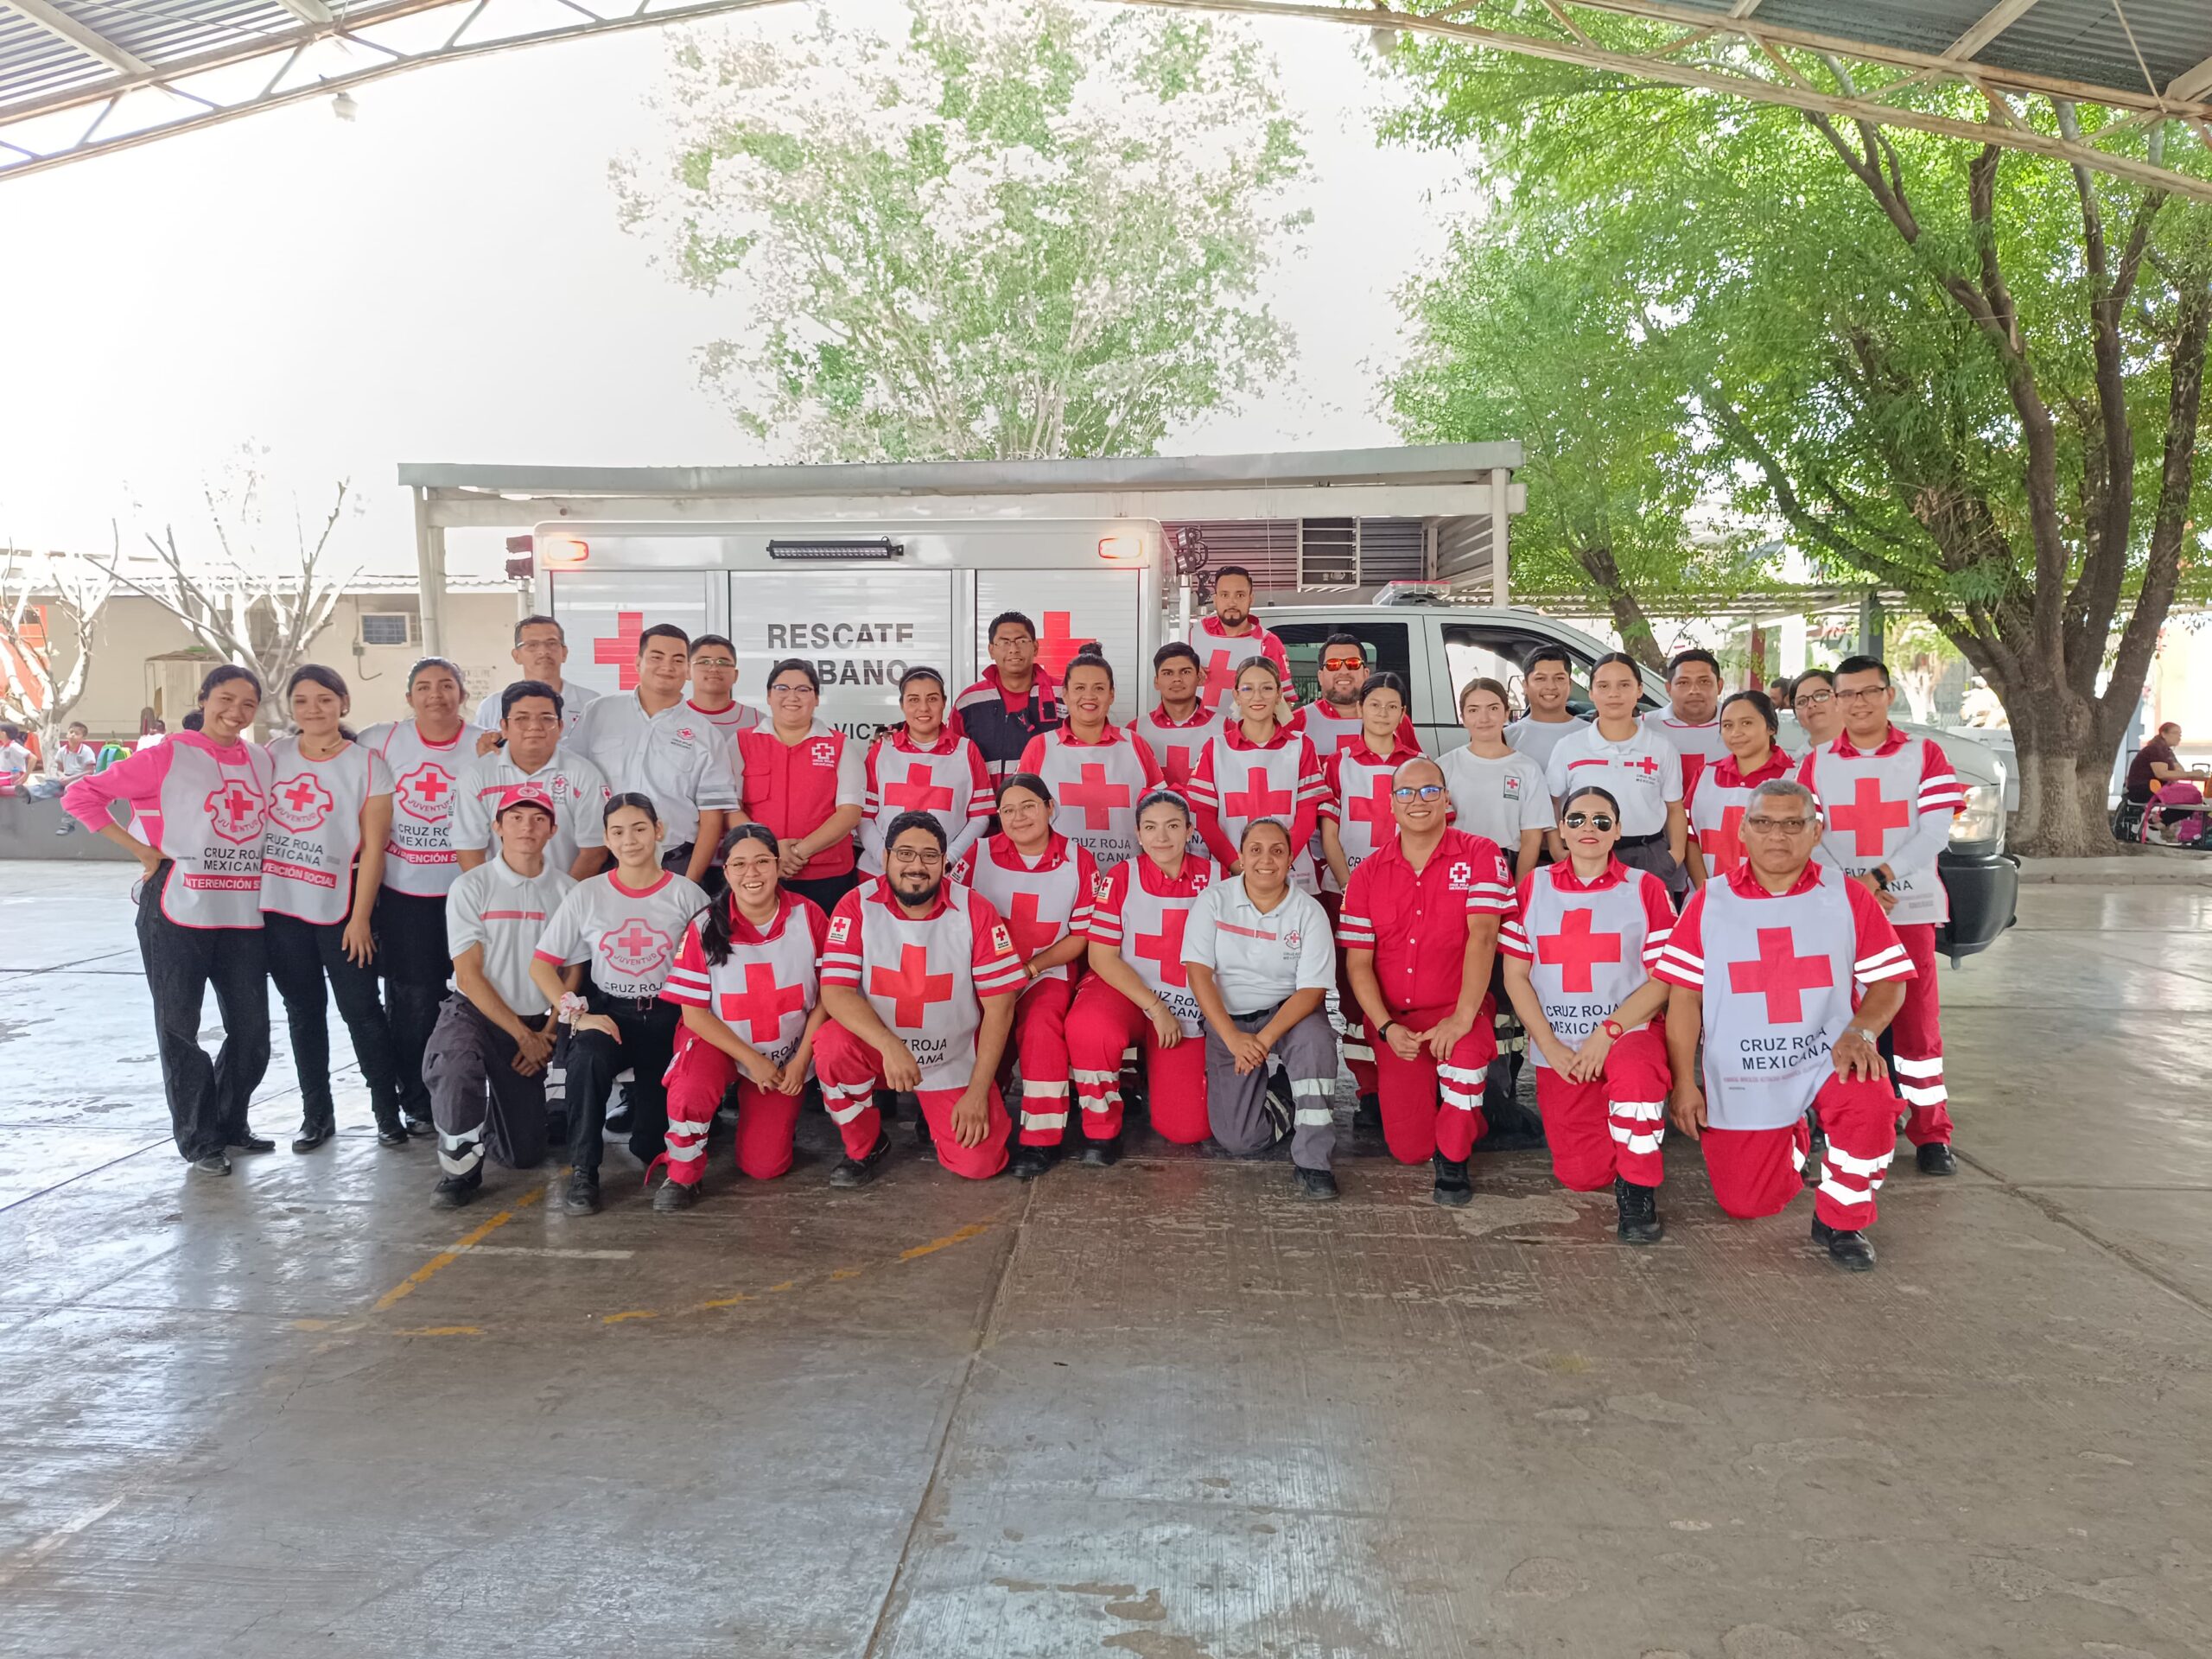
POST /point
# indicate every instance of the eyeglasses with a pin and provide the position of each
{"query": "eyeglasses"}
(713, 661)
(534, 722)
(911, 855)
(1863, 691)
(1344, 662)
(1596, 821)
(1424, 791)
(1816, 698)
(1766, 826)
(801, 688)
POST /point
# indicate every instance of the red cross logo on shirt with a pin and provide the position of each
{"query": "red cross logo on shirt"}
(1867, 817)
(1648, 765)
(1220, 678)
(1095, 796)
(1059, 646)
(1782, 976)
(303, 804)
(1726, 849)
(913, 988)
(635, 948)
(1574, 950)
(1165, 947)
(1032, 933)
(762, 1004)
(918, 789)
(234, 812)
(620, 652)
(423, 792)
(1373, 808)
(1256, 800)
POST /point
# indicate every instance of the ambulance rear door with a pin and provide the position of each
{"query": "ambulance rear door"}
(603, 610)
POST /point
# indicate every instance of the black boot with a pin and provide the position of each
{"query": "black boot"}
(1316, 1186)
(214, 1163)
(858, 1172)
(1370, 1112)
(1935, 1158)
(390, 1132)
(453, 1192)
(313, 1133)
(1453, 1186)
(1638, 1206)
(672, 1196)
(1102, 1154)
(1847, 1248)
(247, 1140)
(1029, 1162)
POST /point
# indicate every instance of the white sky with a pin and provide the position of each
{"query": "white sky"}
(443, 280)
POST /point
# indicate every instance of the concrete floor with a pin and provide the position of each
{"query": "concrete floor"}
(1159, 1411)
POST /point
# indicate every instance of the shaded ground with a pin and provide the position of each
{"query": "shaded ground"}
(1161, 1411)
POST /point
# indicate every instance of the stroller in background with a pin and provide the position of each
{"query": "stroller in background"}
(2160, 828)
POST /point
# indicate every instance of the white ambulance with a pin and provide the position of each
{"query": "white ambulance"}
(863, 602)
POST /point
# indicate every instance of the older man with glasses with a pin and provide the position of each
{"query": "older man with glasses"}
(1796, 971)
(1420, 930)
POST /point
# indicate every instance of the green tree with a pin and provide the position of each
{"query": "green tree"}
(1971, 374)
(1530, 330)
(1024, 230)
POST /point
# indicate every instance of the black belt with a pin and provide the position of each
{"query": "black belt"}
(1654, 839)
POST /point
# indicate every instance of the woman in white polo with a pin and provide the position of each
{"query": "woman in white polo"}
(1636, 766)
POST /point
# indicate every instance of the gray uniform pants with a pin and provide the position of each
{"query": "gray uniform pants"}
(1238, 1108)
(468, 1068)
(1653, 855)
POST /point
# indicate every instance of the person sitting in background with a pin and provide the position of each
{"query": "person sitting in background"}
(2156, 764)
(16, 762)
(73, 757)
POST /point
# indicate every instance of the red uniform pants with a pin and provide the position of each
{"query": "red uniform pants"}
(851, 1072)
(1358, 1055)
(1612, 1126)
(1917, 1042)
(1102, 1023)
(1040, 1043)
(1757, 1171)
(1429, 1108)
(698, 1079)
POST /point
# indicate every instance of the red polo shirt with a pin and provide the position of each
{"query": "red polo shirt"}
(1415, 921)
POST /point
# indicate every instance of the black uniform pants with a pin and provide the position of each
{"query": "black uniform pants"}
(824, 890)
(481, 1102)
(207, 1098)
(411, 934)
(648, 1043)
(301, 955)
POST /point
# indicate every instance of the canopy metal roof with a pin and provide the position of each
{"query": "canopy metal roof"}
(78, 78)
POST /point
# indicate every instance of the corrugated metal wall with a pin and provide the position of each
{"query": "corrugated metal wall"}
(1286, 555)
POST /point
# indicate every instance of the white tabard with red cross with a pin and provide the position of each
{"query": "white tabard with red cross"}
(1360, 805)
(1589, 948)
(765, 989)
(1148, 913)
(920, 979)
(1717, 808)
(314, 829)
(1096, 788)
(212, 818)
(1250, 783)
(1778, 994)
(418, 859)
(1040, 905)
(1871, 803)
(902, 777)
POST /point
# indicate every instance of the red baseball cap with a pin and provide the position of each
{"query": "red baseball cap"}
(516, 795)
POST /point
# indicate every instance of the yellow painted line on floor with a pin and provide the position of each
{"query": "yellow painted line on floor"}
(845, 1273)
(634, 1313)
(453, 1253)
(960, 1236)
(444, 1330)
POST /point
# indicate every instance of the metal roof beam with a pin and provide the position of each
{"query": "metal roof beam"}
(308, 11)
(63, 26)
(1993, 22)
(2191, 84)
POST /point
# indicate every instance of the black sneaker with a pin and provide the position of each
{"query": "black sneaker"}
(1453, 1186)
(247, 1140)
(1370, 1112)
(1101, 1154)
(583, 1196)
(1935, 1158)
(1638, 1208)
(313, 1135)
(1847, 1248)
(672, 1196)
(1029, 1162)
(1317, 1186)
(422, 1128)
(453, 1192)
(214, 1163)
(390, 1132)
(618, 1120)
(858, 1172)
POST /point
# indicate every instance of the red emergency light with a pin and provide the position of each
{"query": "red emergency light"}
(565, 550)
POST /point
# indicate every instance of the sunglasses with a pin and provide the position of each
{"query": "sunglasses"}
(1344, 662)
(1598, 821)
(1424, 791)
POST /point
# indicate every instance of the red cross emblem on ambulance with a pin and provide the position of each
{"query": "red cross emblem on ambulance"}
(235, 811)
(425, 792)
(636, 949)
(303, 804)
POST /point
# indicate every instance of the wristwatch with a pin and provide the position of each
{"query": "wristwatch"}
(1383, 1030)
(1612, 1028)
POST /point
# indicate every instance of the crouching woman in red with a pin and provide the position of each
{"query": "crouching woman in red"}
(1777, 956)
(921, 978)
(1576, 956)
(1137, 988)
(201, 802)
(748, 980)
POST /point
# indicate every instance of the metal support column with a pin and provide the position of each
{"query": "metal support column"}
(1870, 623)
(430, 574)
(1501, 486)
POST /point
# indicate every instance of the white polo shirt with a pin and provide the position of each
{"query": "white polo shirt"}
(579, 791)
(1644, 774)
(676, 757)
(1499, 799)
(1538, 738)
(574, 699)
(506, 914)
(1260, 958)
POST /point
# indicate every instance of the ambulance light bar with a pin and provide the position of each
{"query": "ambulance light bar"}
(565, 550)
(881, 547)
(1120, 549)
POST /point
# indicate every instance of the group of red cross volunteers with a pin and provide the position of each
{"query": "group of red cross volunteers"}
(729, 913)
